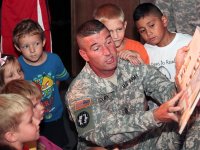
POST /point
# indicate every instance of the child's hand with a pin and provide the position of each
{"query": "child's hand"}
(131, 56)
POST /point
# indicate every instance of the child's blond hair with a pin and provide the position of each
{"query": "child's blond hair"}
(12, 107)
(108, 11)
(24, 88)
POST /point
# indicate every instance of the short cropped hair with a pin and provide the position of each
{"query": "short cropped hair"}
(89, 28)
(27, 26)
(12, 107)
(145, 9)
(108, 11)
(23, 87)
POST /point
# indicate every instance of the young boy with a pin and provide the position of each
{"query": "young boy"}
(113, 18)
(161, 44)
(29, 90)
(16, 123)
(32, 92)
(46, 70)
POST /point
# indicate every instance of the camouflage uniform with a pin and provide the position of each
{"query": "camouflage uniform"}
(192, 141)
(184, 15)
(106, 114)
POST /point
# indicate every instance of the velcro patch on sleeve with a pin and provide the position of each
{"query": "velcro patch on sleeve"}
(81, 104)
(84, 121)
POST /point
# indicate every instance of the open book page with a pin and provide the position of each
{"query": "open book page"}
(189, 80)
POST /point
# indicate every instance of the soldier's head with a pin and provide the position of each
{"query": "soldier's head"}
(97, 48)
(151, 23)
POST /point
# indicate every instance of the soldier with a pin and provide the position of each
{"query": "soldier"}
(183, 15)
(107, 99)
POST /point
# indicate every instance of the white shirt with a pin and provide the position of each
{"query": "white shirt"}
(164, 57)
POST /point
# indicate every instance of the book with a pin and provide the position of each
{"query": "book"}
(188, 79)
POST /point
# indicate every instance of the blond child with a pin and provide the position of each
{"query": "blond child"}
(10, 69)
(113, 18)
(31, 91)
(16, 124)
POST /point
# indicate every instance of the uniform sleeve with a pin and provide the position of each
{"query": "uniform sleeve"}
(157, 85)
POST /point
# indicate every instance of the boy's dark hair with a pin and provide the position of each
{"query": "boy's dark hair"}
(145, 9)
(89, 28)
(27, 26)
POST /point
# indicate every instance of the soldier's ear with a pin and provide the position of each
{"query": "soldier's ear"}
(83, 55)
(164, 19)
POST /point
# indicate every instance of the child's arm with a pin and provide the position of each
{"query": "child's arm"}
(131, 56)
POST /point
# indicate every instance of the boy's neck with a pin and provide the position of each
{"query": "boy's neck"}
(168, 38)
(17, 145)
(121, 47)
(40, 61)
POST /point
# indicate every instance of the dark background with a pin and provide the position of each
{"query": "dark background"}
(61, 30)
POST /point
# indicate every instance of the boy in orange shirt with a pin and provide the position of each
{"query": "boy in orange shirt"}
(113, 18)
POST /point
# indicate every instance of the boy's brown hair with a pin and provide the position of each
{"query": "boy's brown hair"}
(27, 26)
(108, 11)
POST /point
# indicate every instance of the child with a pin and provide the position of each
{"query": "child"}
(46, 70)
(32, 92)
(10, 69)
(16, 123)
(113, 18)
(161, 44)
(28, 90)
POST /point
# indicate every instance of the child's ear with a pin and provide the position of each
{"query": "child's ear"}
(125, 24)
(43, 42)
(83, 55)
(10, 136)
(18, 49)
(164, 20)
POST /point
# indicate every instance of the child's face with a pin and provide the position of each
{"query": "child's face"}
(13, 71)
(152, 29)
(38, 108)
(117, 30)
(31, 47)
(27, 129)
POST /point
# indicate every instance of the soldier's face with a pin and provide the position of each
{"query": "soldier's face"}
(100, 52)
(153, 29)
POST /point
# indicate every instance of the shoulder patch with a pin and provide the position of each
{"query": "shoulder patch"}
(83, 119)
(82, 104)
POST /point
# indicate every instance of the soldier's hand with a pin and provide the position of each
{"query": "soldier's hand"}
(167, 111)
